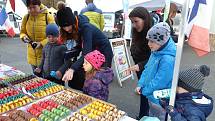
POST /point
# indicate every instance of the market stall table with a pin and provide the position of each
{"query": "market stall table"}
(39, 99)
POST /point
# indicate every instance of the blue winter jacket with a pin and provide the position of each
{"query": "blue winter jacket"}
(92, 39)
(195, 106)
(158, 71)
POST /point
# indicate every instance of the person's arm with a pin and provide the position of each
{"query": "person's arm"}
(23, 31)
(87, 47)
(142, 78)
(164, 73)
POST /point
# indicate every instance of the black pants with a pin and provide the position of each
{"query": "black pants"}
(144, 105)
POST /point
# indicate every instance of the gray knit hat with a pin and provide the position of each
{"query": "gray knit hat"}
(193, 79)
(159, 33)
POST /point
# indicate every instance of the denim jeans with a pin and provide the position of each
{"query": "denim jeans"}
(157, 111)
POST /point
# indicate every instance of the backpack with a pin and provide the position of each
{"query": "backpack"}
(156, 18)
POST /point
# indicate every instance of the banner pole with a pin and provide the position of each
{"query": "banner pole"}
(179, 53)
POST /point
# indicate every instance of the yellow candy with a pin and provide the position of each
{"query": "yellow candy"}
(84, 112)
(12, 106)
(33, 119)
(3, 109)
(96, 107)
(16, 104)
(88, 108)
(95, 112)
(99, 113)
(7, 108)
(20, 103)
(100, 105)
(103, 110)
(93, 106)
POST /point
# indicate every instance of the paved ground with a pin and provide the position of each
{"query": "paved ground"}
(13, 53)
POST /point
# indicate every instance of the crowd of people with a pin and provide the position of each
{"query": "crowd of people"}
(76, 51)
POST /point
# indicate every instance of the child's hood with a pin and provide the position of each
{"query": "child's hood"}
(105, 75)
(200, 100)
(169, 49)
(205, 104)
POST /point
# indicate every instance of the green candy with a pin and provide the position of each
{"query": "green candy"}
(62, 114)
(46, 112)
(59, 112)
(67, 111)
(56, 118)
(52, 116)
(54, 110)
(42, 117)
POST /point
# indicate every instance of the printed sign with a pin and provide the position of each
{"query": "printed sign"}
(121, 59)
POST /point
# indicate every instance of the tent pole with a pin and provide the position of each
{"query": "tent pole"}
(179, 53)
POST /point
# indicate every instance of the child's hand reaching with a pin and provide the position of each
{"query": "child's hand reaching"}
(37, 70)
(56, 74)
(138, 90)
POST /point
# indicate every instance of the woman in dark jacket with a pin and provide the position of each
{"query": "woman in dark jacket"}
(140, 50)
(87, 36)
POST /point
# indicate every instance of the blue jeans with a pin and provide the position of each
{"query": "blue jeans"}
(157, 111)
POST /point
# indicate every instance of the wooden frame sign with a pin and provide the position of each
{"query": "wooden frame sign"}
(121, 59)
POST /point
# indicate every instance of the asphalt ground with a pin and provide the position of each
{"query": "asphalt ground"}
(13, 53)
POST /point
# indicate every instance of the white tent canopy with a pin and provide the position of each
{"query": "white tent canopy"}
(115, 5)
(155, 4)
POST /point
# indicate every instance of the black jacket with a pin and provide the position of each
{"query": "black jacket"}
(52, 59)
(93, 39)
(140, 52)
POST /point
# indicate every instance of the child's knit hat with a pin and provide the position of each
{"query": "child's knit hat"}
(52, 29)
(192, 79)
(95, 58)
(159, 33)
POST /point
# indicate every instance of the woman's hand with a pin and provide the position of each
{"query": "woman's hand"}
(134, 68)
(68, 75)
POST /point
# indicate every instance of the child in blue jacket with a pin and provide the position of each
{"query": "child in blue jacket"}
(191, 104)
(158, 71)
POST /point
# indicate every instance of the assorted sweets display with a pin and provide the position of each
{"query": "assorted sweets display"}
(98, 111)
(18, 115)
(40, 87)
(19, 79)
(71, 99)
(30, 98)
(48, 111)
(11, 99)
